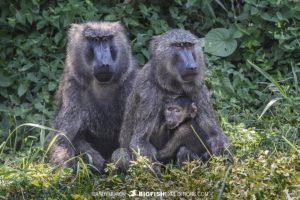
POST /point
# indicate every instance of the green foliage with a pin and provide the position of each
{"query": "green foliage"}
(220, 42)
(253, 66)
(33, 38)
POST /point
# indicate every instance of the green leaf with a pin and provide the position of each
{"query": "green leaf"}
(234, 32)
(270, 78)
(29, 18)
(226, 84)
(220, 42)
(12, 22)
(58, 36)
(268, 106)
(26, 67)
(143, 9)
(51, 86)
(22, 89)
(41, 24)
(173, 12)
(110, 17)
(268, 17)
(5, 82)
(20, 18)
(146, 53)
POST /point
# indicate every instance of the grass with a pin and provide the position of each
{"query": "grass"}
(266, 153)
(263, 169)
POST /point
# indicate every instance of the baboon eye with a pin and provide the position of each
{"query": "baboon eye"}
(105, 38)
(189, 45)
(178, 45)
(93, 38)
(169, 108)
(177, 110)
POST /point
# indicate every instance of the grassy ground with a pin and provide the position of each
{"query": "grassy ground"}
(266, 144)
(266, 164)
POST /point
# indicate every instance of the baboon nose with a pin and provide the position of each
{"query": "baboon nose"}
(104, 66)
(192, 66)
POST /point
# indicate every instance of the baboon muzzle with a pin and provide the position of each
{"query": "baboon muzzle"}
(188, 59)
(188, 63)
(103, 70)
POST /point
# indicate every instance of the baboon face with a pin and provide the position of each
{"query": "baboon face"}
(103, 55)
(178, 110)
(181, 53)
(184, 60)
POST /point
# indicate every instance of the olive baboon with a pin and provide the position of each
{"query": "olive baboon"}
(175, 69)
(179, 116)
(96, 81)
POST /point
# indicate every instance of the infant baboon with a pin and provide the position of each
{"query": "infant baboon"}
(179, 117)
(97, 78)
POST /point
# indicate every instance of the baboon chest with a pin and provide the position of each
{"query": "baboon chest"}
(104, 115)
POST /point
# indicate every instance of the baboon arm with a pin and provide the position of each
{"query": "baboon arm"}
(141, 114)
(67, 123)
(128, 120)
(141, 134)
(62, 149)
(208, 123)
(171, 147)
(146, 121)
(206, 115)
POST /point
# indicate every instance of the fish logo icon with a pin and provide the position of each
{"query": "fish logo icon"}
(132, 193)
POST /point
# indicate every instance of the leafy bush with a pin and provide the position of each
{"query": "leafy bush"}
(253, 66)
(33, 39)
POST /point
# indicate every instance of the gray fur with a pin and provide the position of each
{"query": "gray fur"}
(89, 112)
(158, 81)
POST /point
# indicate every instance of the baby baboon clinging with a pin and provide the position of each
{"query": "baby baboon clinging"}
(179, 117)
(175, 69)
(96, 81)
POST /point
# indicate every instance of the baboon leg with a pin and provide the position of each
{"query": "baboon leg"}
(90, 154)
(62, 153)
(204, 156)
(144, 147)
(184, 154)
(121, 158)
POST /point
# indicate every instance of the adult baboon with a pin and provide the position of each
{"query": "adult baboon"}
(96, 81)
(175, 69)
(179, 122)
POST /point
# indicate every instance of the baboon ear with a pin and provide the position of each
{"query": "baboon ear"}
(194, 110)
